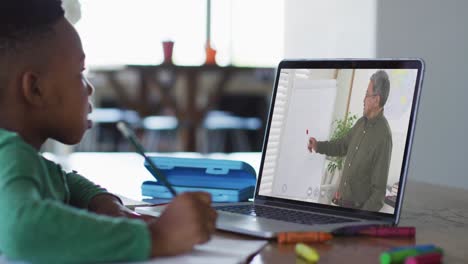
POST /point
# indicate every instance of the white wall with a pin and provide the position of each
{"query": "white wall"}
(437, 32)
(431, 29)
(329, 28)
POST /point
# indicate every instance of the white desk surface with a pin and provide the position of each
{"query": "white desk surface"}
(123, 173)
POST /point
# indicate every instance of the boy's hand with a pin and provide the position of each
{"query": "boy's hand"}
(188, 220)
(106, 204)
(312, 144)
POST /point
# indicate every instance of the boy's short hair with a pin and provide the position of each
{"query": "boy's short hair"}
(23, 20)
(22, 24)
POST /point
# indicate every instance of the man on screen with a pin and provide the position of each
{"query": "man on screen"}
(367, 148)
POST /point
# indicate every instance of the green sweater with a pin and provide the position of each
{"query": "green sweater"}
(43, 216)
(368, 149)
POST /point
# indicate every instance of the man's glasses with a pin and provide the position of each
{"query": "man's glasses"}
(371, 95)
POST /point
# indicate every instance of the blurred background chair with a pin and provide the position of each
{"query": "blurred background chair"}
(237, 124)
(229, 133)
(104, 135)
(160, 133)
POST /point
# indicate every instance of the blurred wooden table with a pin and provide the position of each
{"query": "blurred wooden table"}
(440, 214)
(162, 79)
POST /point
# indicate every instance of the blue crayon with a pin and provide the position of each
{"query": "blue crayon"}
(417, 247)
(399, 256)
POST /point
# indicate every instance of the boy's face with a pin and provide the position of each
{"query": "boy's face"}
(68, 91)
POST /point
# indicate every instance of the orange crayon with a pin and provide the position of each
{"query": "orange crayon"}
(305, 237)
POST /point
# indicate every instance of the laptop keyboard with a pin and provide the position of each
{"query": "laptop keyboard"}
(287, 215)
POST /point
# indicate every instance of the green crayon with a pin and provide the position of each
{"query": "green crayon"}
(399, 256)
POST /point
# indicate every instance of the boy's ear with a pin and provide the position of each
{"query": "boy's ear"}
(31, 91)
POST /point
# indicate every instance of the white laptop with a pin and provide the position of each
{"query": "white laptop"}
(297, 188)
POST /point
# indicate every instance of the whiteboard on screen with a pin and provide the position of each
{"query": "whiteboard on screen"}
(309, 113)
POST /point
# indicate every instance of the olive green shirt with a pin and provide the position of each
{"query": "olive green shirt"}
(43, 216)
(368, 149)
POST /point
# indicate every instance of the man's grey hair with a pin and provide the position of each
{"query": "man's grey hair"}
(381, 85)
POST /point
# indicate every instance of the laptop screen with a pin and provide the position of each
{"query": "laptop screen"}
(340, 132)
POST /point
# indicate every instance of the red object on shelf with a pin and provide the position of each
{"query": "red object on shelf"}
(168, 47)
(210, 55)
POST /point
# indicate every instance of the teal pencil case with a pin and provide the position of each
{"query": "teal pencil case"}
(225, 180)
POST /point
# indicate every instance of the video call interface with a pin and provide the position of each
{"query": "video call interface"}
(358, 120)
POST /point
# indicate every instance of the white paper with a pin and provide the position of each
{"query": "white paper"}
(217, 250)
